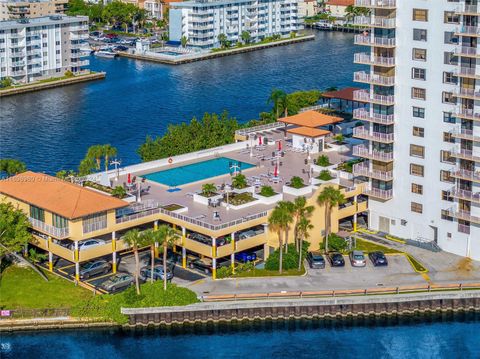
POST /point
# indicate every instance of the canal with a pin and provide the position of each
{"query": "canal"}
(51, 130)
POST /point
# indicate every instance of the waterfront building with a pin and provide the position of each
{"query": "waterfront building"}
(422, 153)
(201, 22)
(16, 9)
(213, 227)
(44, 47)
(308, 8)
(338, 8)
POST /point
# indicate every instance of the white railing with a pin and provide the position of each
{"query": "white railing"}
(468, 113)
(365, 58)
(376, 21)
(366, 115)
(461, 132)
(464, 92)
(465, 153)
(379, 193)
(467, 9)
(469, 30)
(362, 132)
(466, 174)
(366, 96)
(464, 215)
(467, 71)
(49, 229)
(466, 50)
(376, 3)
(465, 194)
(361, 169)
(95, 226)
(362, 76)
(374, 40)
(362, 151)
(268, 126)
(137, 210)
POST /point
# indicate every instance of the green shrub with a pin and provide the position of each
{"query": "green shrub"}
(290, 259)
(224, 272)
(297, 182)
(267, 191)
(335, 243)
(68, 73)
(325, 175)
(323, 161)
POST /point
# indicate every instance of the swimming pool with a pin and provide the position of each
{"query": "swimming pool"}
(196, 171)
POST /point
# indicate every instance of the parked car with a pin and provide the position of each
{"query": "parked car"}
(118, 281)
(92, 268)
(171, 258)
(200, 264)
(245, 256)
(378, 259)
(145, 273)
(336, 259)
(357, 259)
(200, 238)
(315, 260)
(87, 244)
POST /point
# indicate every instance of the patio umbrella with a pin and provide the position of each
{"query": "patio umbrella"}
(275, 171)
(279, 145)
(129, 179)
(260, 140)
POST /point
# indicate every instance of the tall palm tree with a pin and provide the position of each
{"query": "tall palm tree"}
(208, 189)
(274, 221)
(95, 152)
(149, 237)
(277, 98)
(166, 236)
(329, 197)
(304, 226)
(108, 152)
(134, 238)
(287, 209)
(300, 209)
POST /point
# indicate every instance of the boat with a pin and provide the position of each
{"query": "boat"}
(108, 54)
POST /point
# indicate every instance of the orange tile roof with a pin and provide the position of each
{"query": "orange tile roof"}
(308, 132)
(341, 2)
(58, 196)
(310, 119)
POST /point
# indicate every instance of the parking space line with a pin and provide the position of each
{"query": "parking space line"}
(95, 278)
(69, 266)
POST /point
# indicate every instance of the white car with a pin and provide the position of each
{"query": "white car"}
(87, 244)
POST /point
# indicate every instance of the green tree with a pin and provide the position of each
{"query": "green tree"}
(246, 37)
(300, 210)
(87, 165)
(223, 40)
(280, 220)
(329, 197)
(277, 98)
(95, 152)
(134, 239)
(166, 236)
(239, 181)
(119, 192)
(108, 152)
(36, 257)
(297, 182)
(208, 189)
(12, 166)
(6, 82)
(304, 226)
(184, 41)
(150, 238)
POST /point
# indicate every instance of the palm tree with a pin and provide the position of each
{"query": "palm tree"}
(287, 209)
(150, 237)
(304, 226)
(133, 238)
(239, 181)
(274, 222)
(276, 97)
(36, 257)
(300, 210)
(184, 41)
(166, 236)
(208, 189)
(95, 152)
(222, 39)
(329, 197)
(108, 152)
(280, 220)
(246, 37)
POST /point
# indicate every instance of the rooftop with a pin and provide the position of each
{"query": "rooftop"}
(58, 196)
(40, 21)
(308, 132)
(310, 119)
(343, 94)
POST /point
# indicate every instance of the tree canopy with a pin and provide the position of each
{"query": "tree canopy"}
(12, 166)
(14, 234)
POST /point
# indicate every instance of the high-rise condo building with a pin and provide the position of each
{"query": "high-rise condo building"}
(422, 132)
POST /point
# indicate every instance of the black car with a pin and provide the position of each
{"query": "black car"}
(201, 265)
(336, 259)
(92, 268)
(378, 259)
(315, 260)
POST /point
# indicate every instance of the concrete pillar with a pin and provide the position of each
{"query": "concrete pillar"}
(77, 264)
(214, 247)
(155, 250)
(266, 251)
(50, 255)
(114, 253)
(214, 268)
(184, 257)
(155, 225)
(232, 262)
(355, 203)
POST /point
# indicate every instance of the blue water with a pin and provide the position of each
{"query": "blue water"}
(414, 340)
(196, 171)
(52, 129)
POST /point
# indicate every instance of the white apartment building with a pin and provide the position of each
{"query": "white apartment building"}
(423, 120)
(39, 48)
(201, 22)
(16, 9)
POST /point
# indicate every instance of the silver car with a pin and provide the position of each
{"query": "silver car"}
(357, 259)
(118, 281)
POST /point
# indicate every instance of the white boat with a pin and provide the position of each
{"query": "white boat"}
(106, 54)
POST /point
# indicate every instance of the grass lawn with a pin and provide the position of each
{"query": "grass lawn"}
(269, 273)
(23, 288)
(368, 247)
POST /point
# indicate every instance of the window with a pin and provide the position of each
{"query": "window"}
(416, 207)
(445, 177)
(420, 15)
(450, 59)
(419, 35)
(417, 188)
(448, 118)
(446, 215)
(418, 93)
(447, 137)
(416, 170)
(446, 157)
(417, 151)
(418, 112)
(451, 18)
(94, 222)
(450, 38)
(419, 54)
(418, 74)
(418, 131)
(446, 196)
(59, 221)
(37, 213)
(448, 97)
(449, 78)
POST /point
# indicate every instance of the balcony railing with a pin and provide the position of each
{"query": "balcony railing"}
(465, 134)
(366, 115)
(95, 226)
(467, 113)
(467, 175)
(467, 9)
(467, 93)
(470, 72)
(49, 229)
(469, 30)
(366, 96)
(375, 21)
(374, 41)
(465, 194)
(467, 51)
(137, 210)
(465, 154)
(377, 3)
(361, 169)
(463, 215)
(365, 58)
(362, 132)
(374, 79)
(362, 151)
(379, 193)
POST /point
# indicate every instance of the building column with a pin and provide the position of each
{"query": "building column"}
(214, 268)
(232, 256)
(266, 251)
(77, 264)
(232, 262)
(50, 254)
(214, 247)
(155, 250)
(114, 253)
(355, 203)
(184, 251)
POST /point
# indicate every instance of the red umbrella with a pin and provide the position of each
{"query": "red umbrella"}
(260, 140)
(275, 171)
(279, 145)
(129, 180)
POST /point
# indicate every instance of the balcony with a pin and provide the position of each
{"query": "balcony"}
(467, 51)
(467, 72)
(81, 63)
(362, 132)
(471, 10)
(465, 195)
(94, 226)
(367, 59)
(465, 154)
(468, 31)
(18, 73)
(466, 175)
(374, 41)
(366, 96)
(366, 115)
(384, 194)
(48, 229)
(466, 113)
(373, 79)
(375, 21)
(79, 36)
(381, 4)
(136, 211)
(363, 169)
(464, 134)
(463, 215)
(362, 151)
(471, 94)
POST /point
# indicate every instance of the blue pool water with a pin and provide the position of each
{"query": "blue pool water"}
(196, 171)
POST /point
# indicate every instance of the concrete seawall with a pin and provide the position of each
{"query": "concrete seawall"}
(312, 308)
